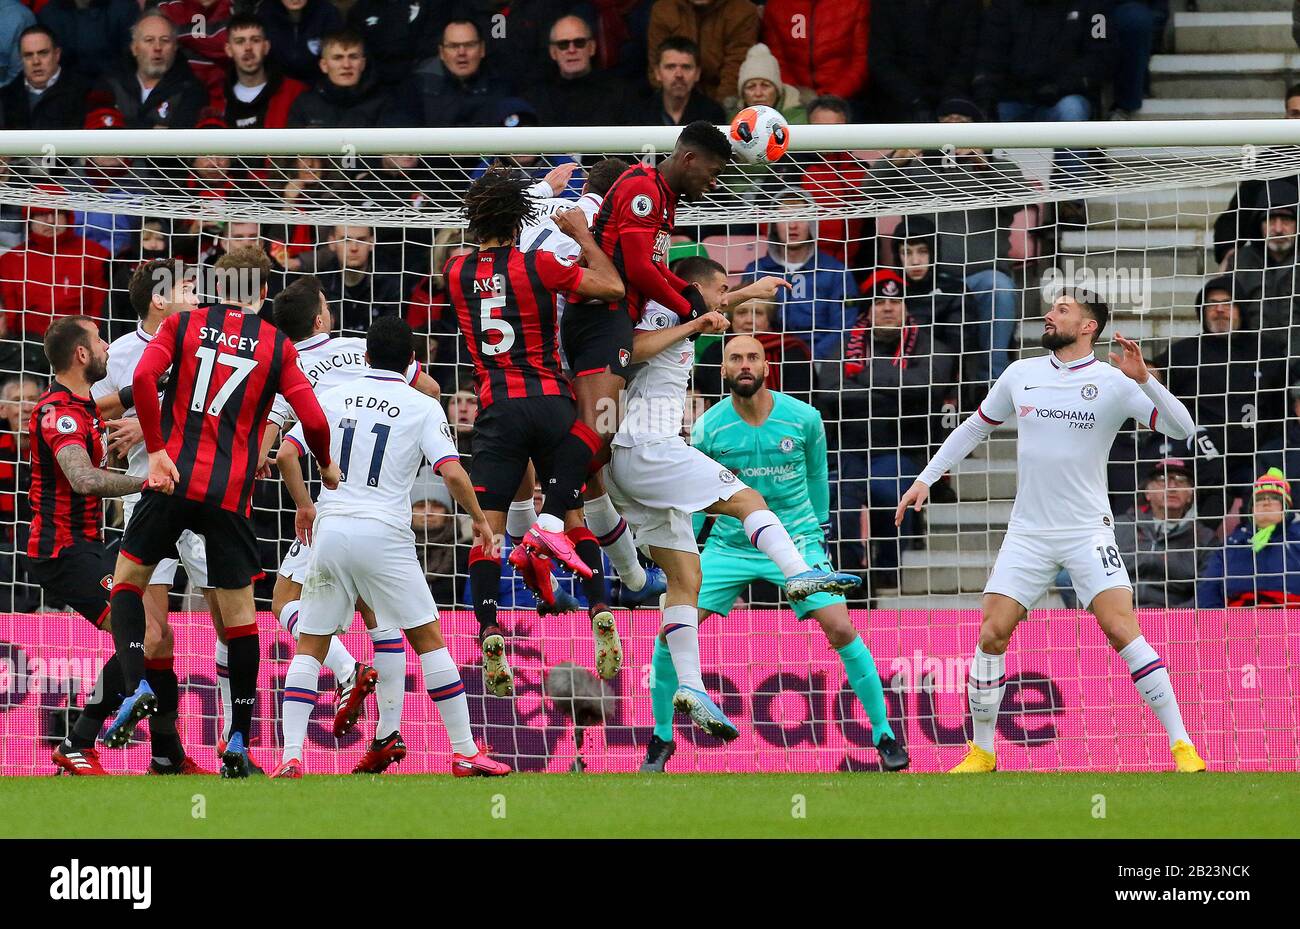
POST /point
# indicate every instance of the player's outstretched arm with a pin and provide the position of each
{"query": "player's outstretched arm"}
(287, 459)
(269, 435)
(1172, 417)
(960, 442)
(88, 480)
(646, 343)
(461, 489)
(765, 288)
(427, 385)
(110, 406)
(600, 280)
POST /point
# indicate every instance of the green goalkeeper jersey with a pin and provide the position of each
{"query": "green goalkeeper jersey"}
(784, 459)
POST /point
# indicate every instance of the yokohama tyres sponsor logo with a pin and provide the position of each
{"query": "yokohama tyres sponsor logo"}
(781, 472)
(1076, 418)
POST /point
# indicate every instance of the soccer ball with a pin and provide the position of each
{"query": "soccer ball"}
(759, 134)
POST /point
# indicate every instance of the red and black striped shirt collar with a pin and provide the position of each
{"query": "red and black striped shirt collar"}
(58, 388)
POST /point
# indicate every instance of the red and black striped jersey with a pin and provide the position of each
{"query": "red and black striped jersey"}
(505, 304)
(60, 516)
(640, 202)
(226, 368)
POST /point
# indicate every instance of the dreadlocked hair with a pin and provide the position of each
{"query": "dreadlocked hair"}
(497, 206)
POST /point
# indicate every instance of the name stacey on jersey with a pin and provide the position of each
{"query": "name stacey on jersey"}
(239, 343)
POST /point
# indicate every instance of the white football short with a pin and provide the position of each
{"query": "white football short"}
(353, 557)
(657, 487)
(191, 547)
(294, 566)
(1028, 564)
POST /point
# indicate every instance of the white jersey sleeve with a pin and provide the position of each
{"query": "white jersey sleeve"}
(997, 407)
(123, 356)
(545, 235)
(438, 441)
(656, 393)
(1155, 407)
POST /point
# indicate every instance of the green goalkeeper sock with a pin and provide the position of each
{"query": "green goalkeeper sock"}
(865, 681)
(663, 684)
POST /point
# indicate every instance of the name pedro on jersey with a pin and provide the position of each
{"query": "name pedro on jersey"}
(238, 343)
(378, 405)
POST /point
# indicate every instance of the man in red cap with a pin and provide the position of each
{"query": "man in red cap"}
(56, 272)
(887, 394)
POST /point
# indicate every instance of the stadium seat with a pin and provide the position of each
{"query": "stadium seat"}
(732, 253)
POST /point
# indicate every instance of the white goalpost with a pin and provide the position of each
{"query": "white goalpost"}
(979, 223)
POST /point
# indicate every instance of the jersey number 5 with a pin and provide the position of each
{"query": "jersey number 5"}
(491, 324)
(381, 430)
(208, 360)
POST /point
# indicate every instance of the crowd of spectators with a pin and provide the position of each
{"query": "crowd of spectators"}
(893, 328)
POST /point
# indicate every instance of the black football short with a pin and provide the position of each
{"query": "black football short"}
(596, 338)
(510, 433)
(159, 519)
(80, 576)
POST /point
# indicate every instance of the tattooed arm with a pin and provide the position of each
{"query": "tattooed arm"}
(86, 479)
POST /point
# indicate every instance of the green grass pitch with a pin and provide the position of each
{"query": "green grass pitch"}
(1163, 805)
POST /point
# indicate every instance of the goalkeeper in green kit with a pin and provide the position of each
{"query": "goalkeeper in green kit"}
(777, 445)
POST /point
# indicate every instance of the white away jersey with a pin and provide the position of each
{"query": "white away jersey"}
(381, 430)
(544, 234)
(1067, 417)
(123, 356)
(656, 394)
(329, 362)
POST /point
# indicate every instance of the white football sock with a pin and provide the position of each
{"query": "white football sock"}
(340, 661)
(520, 518)
(1151, 679)
(390, 663)
(442, 681)
(221, 657)
(300, 686)
(550, 523)
(984, 689)
(681, 630)
(768, 536)
(615, 540)
(289, 618)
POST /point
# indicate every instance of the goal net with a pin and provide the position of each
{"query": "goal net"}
(921, 260)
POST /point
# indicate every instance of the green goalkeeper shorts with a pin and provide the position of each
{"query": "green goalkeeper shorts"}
(727, 573)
